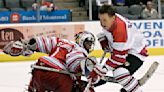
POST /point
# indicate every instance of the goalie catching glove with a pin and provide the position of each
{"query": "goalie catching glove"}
(20, 47)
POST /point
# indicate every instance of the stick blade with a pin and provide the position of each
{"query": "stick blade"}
(109, 79)
(149, 73)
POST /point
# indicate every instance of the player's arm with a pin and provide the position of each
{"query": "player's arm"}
(119, 52)
(104, 42)
(45, 44)
(117, 58)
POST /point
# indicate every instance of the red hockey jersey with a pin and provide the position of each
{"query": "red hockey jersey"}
(63, 54)
(124, 39)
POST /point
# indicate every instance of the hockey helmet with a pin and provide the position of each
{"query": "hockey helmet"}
(83, 37)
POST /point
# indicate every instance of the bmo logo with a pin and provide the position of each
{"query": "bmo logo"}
(14, 18)
(9, 34)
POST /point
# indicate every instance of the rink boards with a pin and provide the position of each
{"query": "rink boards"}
(153, 30)
(96, 53)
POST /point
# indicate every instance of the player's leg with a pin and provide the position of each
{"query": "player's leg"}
(35, 85)
(129, 83)
(134, 63)
(123, 75)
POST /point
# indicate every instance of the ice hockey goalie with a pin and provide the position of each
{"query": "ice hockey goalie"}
(62, 55)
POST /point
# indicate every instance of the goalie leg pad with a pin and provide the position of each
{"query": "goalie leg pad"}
(43, 81)
(123, 77)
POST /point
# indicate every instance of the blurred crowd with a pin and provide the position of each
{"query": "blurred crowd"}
(26, 5)
(132, 9)
(44, 5)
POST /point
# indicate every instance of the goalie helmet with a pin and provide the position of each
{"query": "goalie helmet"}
(85, 39)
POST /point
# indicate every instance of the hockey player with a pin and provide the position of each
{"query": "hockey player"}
(126, 45)
(62, 55)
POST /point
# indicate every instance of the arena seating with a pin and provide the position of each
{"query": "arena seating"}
(132, 12)
(162, 10)
(26, 4)
(135, 11)
(13, 5)
(78, 13)
(2, 6)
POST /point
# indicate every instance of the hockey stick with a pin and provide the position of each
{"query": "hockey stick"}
(149, 73)
(54, 70)
(102, 58)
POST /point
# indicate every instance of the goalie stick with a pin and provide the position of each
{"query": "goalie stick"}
(142, 80)
(54, 70)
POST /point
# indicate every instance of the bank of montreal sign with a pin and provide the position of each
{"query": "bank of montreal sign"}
(23, 16)
(153, 30)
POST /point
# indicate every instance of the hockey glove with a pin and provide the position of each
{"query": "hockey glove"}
(96, 74)
(13, 48)
(17, 48)
(103, 42)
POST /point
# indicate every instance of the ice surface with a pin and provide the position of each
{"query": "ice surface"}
(14, 76)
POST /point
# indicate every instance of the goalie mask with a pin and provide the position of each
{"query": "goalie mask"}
(86, 40)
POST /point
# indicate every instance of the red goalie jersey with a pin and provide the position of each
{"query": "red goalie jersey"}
(63, 54)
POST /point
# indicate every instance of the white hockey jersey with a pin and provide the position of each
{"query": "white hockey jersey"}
(63, 54)
(123, 39)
